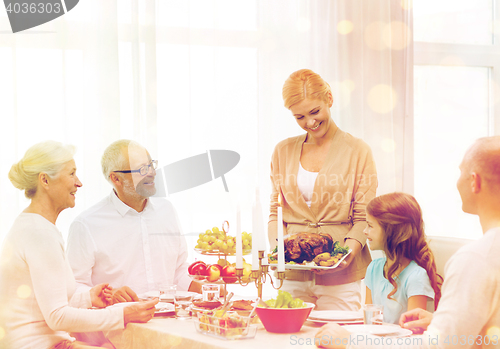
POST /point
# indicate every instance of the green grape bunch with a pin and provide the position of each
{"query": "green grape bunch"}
(218, 241)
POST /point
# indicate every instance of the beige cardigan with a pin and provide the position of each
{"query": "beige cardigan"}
(344, 186)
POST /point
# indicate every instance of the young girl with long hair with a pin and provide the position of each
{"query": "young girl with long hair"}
(406, 277)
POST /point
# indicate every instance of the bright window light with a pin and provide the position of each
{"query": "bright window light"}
(451, 111)
(453, 21)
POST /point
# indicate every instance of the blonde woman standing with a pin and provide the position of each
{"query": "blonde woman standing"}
(38, 303)
(326, 177)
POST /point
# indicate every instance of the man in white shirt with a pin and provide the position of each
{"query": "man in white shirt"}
(129, 239)
(468, 314)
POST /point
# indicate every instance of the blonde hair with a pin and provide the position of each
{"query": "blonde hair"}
(400, 217)
(114, 158)
(304, 84)
(48, 157)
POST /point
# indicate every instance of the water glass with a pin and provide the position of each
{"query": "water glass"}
(167, 292)
(373, 314)
(210, 292)
(182, 304)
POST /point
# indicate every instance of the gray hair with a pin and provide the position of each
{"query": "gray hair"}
(48, 157)
(114, 158)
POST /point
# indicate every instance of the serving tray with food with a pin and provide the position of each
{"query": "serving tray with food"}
(308, 251)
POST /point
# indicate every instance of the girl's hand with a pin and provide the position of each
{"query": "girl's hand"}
(354, 246)
(101, 295)
(332, 336)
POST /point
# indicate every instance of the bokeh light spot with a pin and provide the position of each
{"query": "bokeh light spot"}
(345, 27)
(382, 98)
(493, 331)
(388, 145)
(396, 35)
(23, 291)
(2, 333)
(407, 4)
(373, 36)
(6, 254)
(342, 94)
(349, 84)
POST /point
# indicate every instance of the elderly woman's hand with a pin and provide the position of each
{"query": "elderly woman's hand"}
(101, 295)
(332, 336)
(140, 312)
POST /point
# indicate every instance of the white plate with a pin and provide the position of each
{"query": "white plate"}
(309, 267)
(379, 330)
(340, 322)
(164, 308)
(164, 297)
(161, 307)
(122, 304)
(335, 315)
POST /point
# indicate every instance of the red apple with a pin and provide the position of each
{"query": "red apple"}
(228, 270)
(212, 273)
(199, 269)
(190, 268)
(229, 274)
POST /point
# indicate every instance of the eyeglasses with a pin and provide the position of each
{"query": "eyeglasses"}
(144, 170)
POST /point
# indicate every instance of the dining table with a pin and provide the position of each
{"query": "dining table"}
(168, 332)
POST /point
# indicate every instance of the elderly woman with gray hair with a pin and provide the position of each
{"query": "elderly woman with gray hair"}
(38, 303)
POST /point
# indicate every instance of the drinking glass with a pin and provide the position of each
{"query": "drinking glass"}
(373, 314)
(182, 302)
(210, 292)
(167, 292)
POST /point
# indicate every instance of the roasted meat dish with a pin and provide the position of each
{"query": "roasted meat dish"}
(305, 246)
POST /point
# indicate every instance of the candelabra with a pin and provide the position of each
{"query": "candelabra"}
(260, 276)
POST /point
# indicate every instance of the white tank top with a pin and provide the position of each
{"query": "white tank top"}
(305, 182)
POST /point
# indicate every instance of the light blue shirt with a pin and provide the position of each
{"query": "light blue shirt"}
(412, 281)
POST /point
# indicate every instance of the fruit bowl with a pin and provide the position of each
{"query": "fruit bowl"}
(284, 320)
(203, 279)
(222, 280)
(216, 252)
(231, 326)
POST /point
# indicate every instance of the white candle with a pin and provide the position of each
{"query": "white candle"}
(255, 240)
(281, 245)
(239, 241)
(260, 227)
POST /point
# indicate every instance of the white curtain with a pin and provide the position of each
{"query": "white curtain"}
(371, 70)
(186, 76)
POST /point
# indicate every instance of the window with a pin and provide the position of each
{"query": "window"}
(456, 79)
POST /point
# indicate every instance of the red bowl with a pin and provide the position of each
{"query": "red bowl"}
(287, 320)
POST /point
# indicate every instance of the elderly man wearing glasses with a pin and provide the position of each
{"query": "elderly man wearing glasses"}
(129, 239)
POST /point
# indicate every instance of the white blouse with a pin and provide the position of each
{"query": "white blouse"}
(38, 303)
(305, 182)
